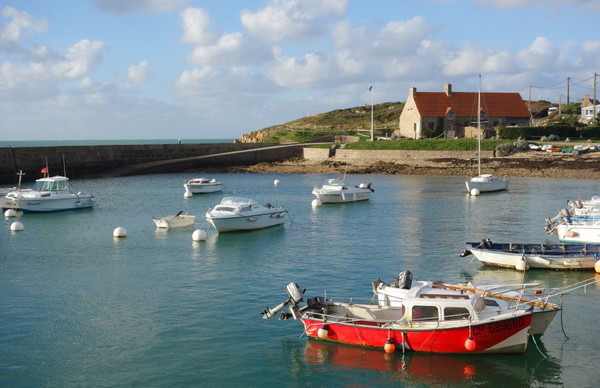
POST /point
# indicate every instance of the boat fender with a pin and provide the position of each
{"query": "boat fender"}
(470, 344)
(597, 266)
(323, 332)
(390, 346)
(404, 280)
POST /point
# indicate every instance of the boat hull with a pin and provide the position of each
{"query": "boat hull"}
(251, 222)
(486, 184)
(203, 188)
(579, 233)
(175, 221)
(50, 204)
(501, 336)
(557, 260)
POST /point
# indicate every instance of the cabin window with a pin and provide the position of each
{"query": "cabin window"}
(424, 313)
(491, 302)
(454, 313)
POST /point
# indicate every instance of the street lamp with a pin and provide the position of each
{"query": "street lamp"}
(371, 90)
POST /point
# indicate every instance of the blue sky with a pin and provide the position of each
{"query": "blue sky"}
(165, 69)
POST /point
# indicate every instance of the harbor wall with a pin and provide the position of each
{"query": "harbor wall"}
(102, 160)
(365, 156)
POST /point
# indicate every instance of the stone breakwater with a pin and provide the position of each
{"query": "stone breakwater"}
(110, 161)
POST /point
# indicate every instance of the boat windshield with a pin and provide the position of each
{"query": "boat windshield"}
(45, 185)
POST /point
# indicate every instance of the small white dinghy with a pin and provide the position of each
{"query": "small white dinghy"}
(179, 220)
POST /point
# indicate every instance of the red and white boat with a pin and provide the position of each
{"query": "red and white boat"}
(429, 317)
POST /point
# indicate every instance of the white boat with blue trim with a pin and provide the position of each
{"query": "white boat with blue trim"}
(239, 213)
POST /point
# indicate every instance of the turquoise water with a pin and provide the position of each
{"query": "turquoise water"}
(155, 309)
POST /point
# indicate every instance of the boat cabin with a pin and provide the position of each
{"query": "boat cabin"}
(56, 183)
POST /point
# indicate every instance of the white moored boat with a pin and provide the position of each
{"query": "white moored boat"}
(49, 194)
(337, 191)
(203, 186)
(179, 220)
(237, 213)
(483, 183)
(571, 228)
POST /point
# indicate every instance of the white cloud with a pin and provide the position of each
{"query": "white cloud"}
(298, 20)
(79, 59)
(195, 23)
(212, 82)
(219, 50)
(134, 6)
(138, 73)
(541, 55)
(21, 22)
(585, 5)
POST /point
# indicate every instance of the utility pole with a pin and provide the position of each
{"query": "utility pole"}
(594, 103)
(568, 90)
(371, 90)
(530, 115)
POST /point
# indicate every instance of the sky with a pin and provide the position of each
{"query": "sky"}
(191, 69)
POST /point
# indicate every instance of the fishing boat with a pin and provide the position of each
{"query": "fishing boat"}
(525, 256)
(425, 317)
(179, 220)
(483, 182)
(202, 186)
(238, 213)
(49, 194)
(337, 191)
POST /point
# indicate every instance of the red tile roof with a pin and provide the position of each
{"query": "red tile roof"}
(436, 104)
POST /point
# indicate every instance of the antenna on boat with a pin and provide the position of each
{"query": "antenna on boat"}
(46, 171)
(64, 166)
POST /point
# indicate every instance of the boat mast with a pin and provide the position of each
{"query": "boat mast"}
(479, 124)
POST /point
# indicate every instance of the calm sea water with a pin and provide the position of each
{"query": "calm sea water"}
(79, 308)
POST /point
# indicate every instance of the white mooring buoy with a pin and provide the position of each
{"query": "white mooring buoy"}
(276, 182)
(120, 232)
(475, 192)
(199, 235)
(316, 203)
(16, 226)
(188, 194)
(10, 213)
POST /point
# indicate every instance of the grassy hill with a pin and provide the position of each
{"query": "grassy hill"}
(350, 121)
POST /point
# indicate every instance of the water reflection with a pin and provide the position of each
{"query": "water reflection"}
(529, 369)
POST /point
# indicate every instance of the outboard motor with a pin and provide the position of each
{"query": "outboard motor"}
(566, 215)
(404, 280)
(487, 243)
(295, 296)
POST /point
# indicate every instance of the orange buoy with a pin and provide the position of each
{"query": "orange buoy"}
(470, 344)
(390, 346)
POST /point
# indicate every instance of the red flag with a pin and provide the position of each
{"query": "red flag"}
(44, 170)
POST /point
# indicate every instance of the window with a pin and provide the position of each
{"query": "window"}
(424, 313)
(455, 313)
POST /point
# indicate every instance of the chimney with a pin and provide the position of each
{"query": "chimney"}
(448, 90)
(412, 92)
(586, 101)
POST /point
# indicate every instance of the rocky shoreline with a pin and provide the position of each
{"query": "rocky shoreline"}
(537, 164)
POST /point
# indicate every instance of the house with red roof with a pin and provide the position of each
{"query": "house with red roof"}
(452, 114)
